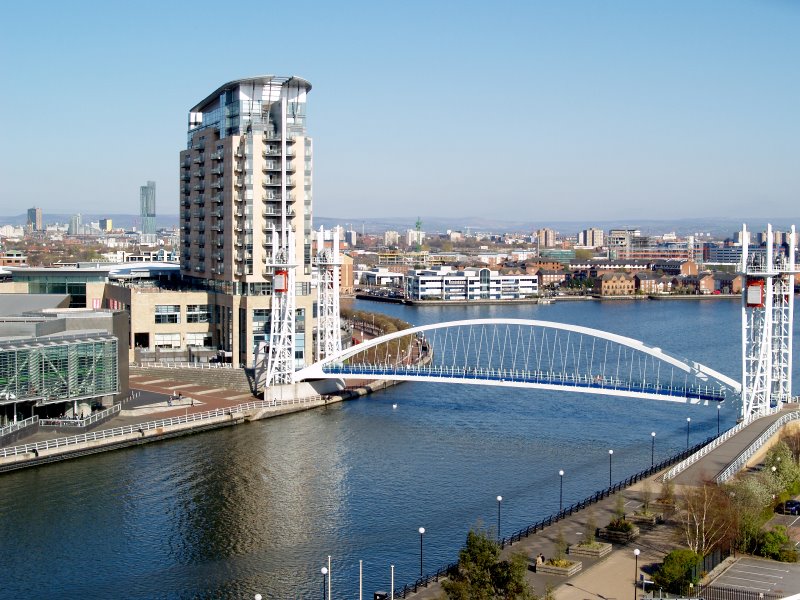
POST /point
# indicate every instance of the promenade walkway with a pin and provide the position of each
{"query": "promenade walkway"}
(718, 459)
(609, 577)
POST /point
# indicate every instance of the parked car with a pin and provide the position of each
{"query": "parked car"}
(790, 507)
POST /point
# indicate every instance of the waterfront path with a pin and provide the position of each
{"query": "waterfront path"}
(609, 577)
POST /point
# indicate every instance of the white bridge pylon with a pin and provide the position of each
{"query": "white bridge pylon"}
(531, 354)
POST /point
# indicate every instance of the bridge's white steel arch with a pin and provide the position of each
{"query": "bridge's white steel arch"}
(495, 352)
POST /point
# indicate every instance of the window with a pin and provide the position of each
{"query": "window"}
(202, 340)
(198, 313)
(168, 340)
(168, 313)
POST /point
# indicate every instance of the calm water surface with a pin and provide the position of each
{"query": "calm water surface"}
(258, 508)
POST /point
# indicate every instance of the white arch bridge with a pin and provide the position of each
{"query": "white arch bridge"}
(527, 353)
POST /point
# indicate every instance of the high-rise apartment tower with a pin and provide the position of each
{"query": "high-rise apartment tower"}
(147, 211)
(246, 200)
(35, 218)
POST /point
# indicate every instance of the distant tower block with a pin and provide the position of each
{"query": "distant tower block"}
(329, 334)
(147, 212)
(767, 317)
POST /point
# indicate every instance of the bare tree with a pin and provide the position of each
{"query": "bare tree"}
(707, 518)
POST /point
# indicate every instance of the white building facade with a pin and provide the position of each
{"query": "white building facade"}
(445, 283)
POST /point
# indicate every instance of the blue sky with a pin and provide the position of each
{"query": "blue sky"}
(561, 110)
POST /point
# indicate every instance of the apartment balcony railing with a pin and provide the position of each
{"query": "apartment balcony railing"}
(218, 155)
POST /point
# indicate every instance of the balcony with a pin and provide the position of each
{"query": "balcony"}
(217, 198)
(186, 190)
(199, 174)
(199, 160)
(199, 187)
(186, 163)
(239, 272)
(187, 215)
(218, 170)
(276, 212)
(271, 165)
(218, 213)
(199, 214)
(186, 177)
(218, 155)
(290, 166)
(200, 199)
(239, 243)
(220, 243)
(239, 257)
(270, 151)
(239, 182)
(186, 203)
(217, 185)
(219, 228)
(219, 256)
(271, 182)
(271, 136)
(271, 197)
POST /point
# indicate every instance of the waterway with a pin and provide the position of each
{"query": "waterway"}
(258, 508)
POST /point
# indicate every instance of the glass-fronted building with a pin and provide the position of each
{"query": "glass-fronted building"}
(41, 371)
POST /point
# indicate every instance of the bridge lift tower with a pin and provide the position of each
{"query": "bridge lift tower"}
(275, 363)
(767, 317)
(329, 336)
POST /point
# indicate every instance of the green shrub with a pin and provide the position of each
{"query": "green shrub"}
(776, 544)
(620, 524)
(675, 573)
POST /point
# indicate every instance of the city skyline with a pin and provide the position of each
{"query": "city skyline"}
(593, 113)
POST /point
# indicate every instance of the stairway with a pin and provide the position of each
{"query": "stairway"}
(233, 379)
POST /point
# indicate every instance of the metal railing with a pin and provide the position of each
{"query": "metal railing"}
(740, 461)
(685, 464)
(556, 517)
(174, 364)
(536, 377)
(90, 420)
(105, 434)
(18, 425)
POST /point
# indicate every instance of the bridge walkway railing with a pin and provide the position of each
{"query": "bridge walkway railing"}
(705, 392)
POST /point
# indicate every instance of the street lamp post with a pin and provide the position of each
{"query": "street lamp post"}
(610, 454)
(499, 501)
(688, 421)
(324, 571)
(652, 449)
(635, 572)
(561, 491)
(719, 406)
(421, 533)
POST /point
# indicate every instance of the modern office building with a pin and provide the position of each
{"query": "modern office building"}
(57, 361)
(591, 238)
(446, 283)
(35, 219)
(246, 206)
(147, 212)
(106, 224)
(75, 225)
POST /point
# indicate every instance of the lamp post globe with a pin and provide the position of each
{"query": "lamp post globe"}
(324, 572)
